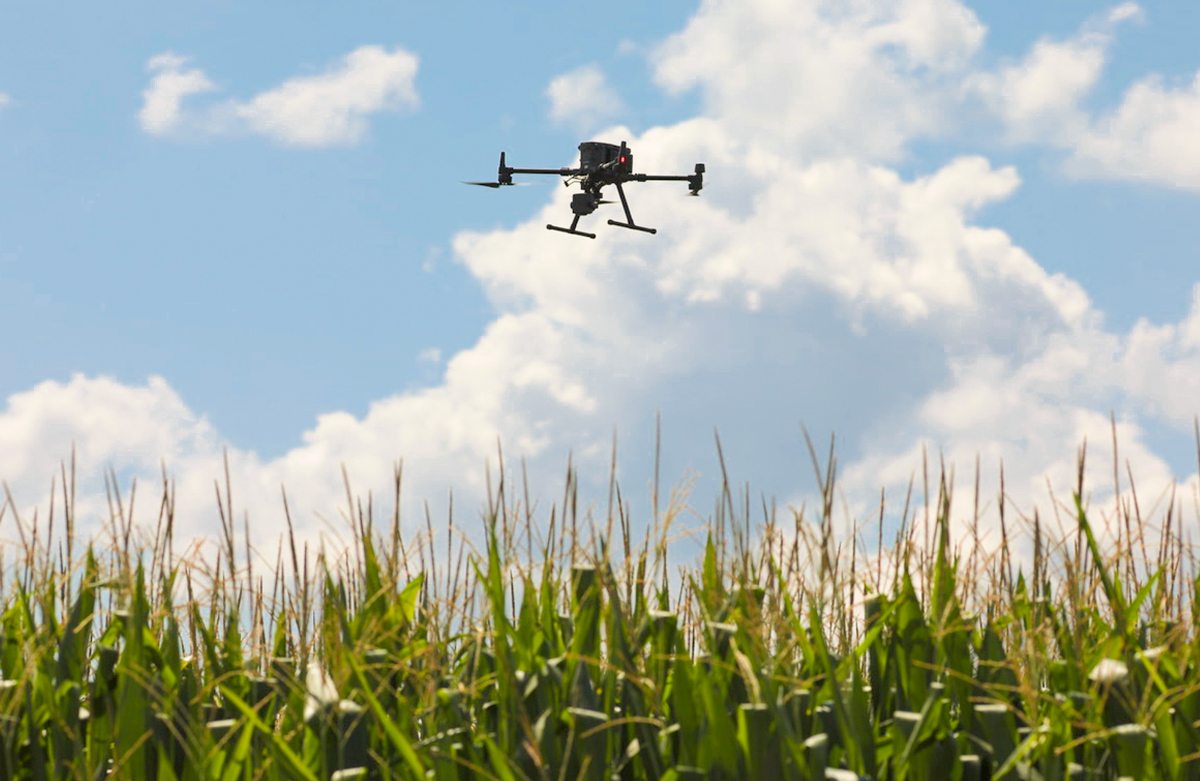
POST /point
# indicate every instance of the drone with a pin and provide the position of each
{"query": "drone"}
(600, 165)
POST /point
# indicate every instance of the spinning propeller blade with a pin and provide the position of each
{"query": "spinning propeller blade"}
(497, 185)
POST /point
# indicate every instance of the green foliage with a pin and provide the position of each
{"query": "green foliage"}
(581, 665)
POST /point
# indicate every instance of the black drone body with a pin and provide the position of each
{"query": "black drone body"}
(600, 165)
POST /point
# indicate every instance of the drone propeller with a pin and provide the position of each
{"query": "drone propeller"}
(497, 185)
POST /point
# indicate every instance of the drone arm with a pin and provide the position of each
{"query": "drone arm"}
(552, 171)
(695, 181)
(505, 174)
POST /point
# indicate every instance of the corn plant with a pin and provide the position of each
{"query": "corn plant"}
(776, 656)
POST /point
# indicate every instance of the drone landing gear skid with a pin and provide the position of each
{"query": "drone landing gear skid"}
(628, 216)
(571, 229)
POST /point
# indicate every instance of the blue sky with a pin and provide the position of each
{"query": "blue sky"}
(950, 221)
(241, 262)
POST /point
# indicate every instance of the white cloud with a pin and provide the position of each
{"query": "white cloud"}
(1041, 94)
(445, 436)
(825, 77)
(1038, 98)
(1154, 136)
(332, 108)
(1024, 415)
(1125, 11)
(1160, 365)
(583, 98)
(162, 101)
(132, 429)
(5, 100)
(329, 109)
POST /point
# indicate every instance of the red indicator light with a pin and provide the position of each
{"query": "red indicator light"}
(622, 159)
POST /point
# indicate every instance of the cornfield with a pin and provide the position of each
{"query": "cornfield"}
(564, 648)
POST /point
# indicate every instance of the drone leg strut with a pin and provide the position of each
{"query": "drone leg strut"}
(571, 229)
(628, 215)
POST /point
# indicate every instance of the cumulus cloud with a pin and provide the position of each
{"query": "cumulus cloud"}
(1041, 94)
(332, 108)
(825, 77)
(1015, 418)
(811, 283)
(162, 101)
(1039, 97)
(132, 430)
(583, 98)
(446, 435)
(1153, 135)
(44, 423)
(329, 109)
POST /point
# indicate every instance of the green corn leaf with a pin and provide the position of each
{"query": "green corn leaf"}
(996, 722)
(1135, 607)
(294, 765)
(590, 750)
(753, 736)
(713, 591)
(719, 745)
(499, 761)
(406, 603)
(236, 761)
(37, 756)
(280, 644)
(683, 708)
(393, 734)
(72, 647)
(817, 750)
(133, 706)
(1131, 746)
(493, 582)
(1164, 725)
(1115, 596)
(848, 736)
